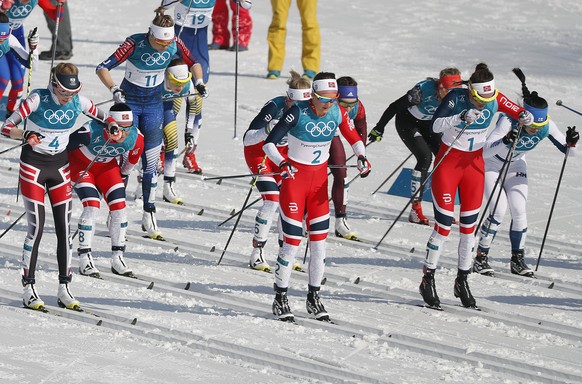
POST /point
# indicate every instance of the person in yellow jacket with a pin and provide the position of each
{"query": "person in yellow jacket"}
(311, 38)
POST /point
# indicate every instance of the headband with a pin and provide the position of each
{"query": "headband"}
(348, 91)
(329, 85)
(484, 88)
(299, 94)
(162, 33)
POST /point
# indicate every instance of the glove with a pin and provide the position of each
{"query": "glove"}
(118, 94)
(7, 128)
(510, 137)
(471, 115)
(32, 137)
(364, 166)
(287, 171)
(189, 139)
(414, 96)
(201, 88)
(33, 39)
(6, 4)
(114, 132)
(572, 136)
(376, 134)
(525, 118)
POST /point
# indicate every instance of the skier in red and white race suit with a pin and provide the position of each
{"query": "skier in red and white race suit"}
(310, 126)
(268, 184)
(93, 157)
(51, 114)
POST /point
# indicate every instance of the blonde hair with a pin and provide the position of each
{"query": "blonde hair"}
(296, 81)
(162, 20)
(449, 71)
(66, 69)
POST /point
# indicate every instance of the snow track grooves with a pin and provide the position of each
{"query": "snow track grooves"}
(439, 349)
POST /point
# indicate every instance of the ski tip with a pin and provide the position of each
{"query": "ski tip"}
(323, 281)
(219, 182)
(412, 250)
(213, 249)
(187, 287)
(551, 285)
(99, 323)
(201, 212)
(176, 249)
(232, 212)
(134, 321)
(357, 281)
(151, 286)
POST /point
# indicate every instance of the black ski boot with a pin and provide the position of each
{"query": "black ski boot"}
(428, 291)
(281, 307)
(315, 306)
(462, 290)
(518, 266)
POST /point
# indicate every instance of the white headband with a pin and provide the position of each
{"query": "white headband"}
(180, 72)
(162, 33)
(325, 85)
(299, 94)
(484, 88)
(122, 116)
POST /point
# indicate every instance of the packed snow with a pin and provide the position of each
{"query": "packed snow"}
(206, 322)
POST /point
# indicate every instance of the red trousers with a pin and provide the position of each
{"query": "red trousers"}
(220, 32)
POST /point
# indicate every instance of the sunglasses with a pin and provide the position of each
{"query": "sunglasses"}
(540, 125)
(163, 43)
(480, 99)
(324, 99)
(348, 105)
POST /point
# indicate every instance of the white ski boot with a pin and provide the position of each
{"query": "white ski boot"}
(149, 225)
(118, 265)
(65, 299)
(86, 265)
(170, 194)
(30, 298)
(342, 229)
(257, 261)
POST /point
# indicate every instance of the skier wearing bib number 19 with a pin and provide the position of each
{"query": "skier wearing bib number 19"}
(310, 126)
(463, 117)
(148, 55)
(44, 169)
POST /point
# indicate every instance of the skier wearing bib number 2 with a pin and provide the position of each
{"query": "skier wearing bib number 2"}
(310, 126)
(44, 169)
(148, 55)
(463, 117)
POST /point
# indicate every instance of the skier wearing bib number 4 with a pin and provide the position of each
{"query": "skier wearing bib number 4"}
(44, 170)
(310, 126)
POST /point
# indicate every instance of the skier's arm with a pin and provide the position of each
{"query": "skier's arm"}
(494, 144)
(285, 124)
(508, 107)
(360, 122)
(131, 158)
(444, 117)
(120, 55)
(559, 139)
(348, 131)
(81, 137)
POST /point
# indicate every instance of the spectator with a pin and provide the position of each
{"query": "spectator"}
(311, 38)
(64, 36)
(220, 32)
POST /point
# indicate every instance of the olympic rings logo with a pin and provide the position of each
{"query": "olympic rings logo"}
(200, 1)
(109, 151)
(321, 128)
(527, 142)
(63, 117)
(20, 11)
(156, 58)
(482, 119)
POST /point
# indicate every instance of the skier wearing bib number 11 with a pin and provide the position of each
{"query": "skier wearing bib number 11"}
(310, 126)
(463, 117)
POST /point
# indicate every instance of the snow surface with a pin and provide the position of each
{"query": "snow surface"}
(221, 329)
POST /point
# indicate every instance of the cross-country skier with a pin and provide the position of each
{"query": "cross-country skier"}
(192, 21)
(148, 55)
(414, 112)
(463, 117)
(14, 57)
(310, 126)
(515, 187)
(268, 185)
(348, 98)
(93, 159)
(44, 169)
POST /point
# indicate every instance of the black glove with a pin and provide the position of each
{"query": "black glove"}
(201, 88)
(572, 136)
(26, 135)
(510, 137)
(414, 96)
(189, 139)
(376, 134)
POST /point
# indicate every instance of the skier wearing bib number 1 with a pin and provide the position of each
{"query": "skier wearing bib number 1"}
(463, 117)
(148, 55)
(310, 126)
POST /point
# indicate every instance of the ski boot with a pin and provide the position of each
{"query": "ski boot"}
(481, 264)
(169, 192)
(65, 299)
(315, 306)
(30, 298)
(518, 265)
(281, 307)
(462, 290)
(427, 290)
(190, 163)
(86, 265)
(149, 224)
(416, 216)
(342, 229)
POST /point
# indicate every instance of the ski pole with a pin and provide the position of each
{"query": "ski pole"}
(243, 209)
(559, 102)
(56, 36)
(501, 177)
(236, 42)
(254, 181)
(392, 174)
(15, 147)
(421, 185)
(239, 176)
(552, 208)
(184, 18)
